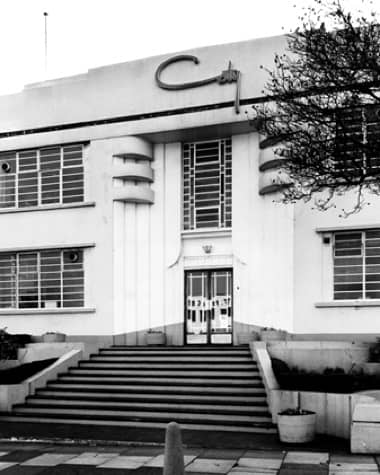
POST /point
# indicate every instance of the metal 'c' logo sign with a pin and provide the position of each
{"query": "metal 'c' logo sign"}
(227, 76)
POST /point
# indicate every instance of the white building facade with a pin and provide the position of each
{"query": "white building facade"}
(127, 204)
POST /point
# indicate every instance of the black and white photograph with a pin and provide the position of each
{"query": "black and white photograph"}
(189, 237)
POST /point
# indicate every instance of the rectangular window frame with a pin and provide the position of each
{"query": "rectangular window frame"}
(65, 269)
(356, 266)
(207, 206)
(36, 178)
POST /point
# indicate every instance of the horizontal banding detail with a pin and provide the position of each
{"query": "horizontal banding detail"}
(134, 171)
(133, 194)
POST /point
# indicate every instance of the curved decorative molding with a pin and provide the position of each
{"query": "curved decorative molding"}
(136, 175)
(271, 164)
(136, 148)
(266, 142)
(272, 181)
(134, 171)
(134, 194)
(177, 259)
(268, 160)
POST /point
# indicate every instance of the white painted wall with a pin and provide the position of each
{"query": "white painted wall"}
(262, 244)
(147, 248)
(314, 273)
(129, 88)
(70, 227)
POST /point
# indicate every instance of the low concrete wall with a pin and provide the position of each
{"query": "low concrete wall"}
(334, 411)
(6, 364)
(40, 379)
(43, 351)
(318, 355)
(365, 427)
(12, 394)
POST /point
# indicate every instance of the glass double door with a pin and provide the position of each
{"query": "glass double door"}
(208, 307)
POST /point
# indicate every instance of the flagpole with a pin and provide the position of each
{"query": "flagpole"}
(45, 17)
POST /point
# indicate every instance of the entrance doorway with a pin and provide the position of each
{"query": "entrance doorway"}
(208, 307)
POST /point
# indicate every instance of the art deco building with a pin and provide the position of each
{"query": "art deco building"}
(139, 196)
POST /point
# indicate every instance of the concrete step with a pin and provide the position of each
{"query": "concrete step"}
(251, 429)
(155, 388)
(178, 347)
(104, 414)
(202, 388)
(36, 401)
(183, 358)
(214, 399)
(170, 381)
(164, 352)
(159, 373)
(168, 366)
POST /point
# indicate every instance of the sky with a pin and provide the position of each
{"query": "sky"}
(83, 34)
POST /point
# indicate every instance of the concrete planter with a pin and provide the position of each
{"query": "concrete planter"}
(372, 369)
(53, 337)
(296, 429)
(155, 338)
(245, 338)
(272, 335)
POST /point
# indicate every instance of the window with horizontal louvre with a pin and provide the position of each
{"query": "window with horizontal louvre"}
(42, 279)
(51, 175)
(357, 265)
(207, 184)
(358, 141)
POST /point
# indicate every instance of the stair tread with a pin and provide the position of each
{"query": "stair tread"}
(155, 415)
(120, 387)
(220, 353)
(37, 401)
(129, 380)
(201, 358)
(166, 367)
(213, 374)
(180, 397)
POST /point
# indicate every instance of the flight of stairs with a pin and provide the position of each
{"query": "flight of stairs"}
(202, 388)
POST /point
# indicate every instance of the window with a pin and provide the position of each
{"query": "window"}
(42, 279)
(207, 184)
(42, 176)
(358, 141)
(357, 265)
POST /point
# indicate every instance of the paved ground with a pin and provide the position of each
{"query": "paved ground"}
(75, 459)
(190, 438)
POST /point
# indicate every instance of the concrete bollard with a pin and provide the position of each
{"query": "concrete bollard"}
(173, 460)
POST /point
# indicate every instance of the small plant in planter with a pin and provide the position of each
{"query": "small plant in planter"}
(155, 337)
(53, 337)
(272, 334)
(296, 426)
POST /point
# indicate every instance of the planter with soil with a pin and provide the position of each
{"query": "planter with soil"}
(296, 426)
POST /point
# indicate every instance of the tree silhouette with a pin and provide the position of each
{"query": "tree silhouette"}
(322, 105)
